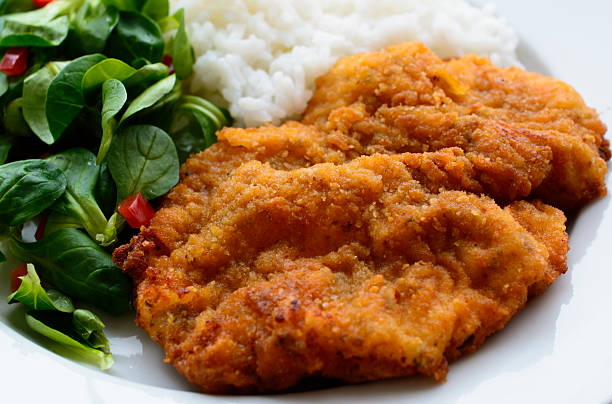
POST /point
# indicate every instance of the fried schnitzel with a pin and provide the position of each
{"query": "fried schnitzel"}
(406, 99)
(370, 240)
(256, 278)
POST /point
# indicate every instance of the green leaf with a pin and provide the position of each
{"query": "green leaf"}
(156, 9)
(59, 328)
(208, 130)
(62, 302)
(143, 159)
(205, 107)
(114, 96)
(106, 70)
(192, 132)
(73, 263)
(125, 5)
(35, 89)
(91, 27)
(47, 33)
(37, 58)
(2, 257)
(159, 114)
(89, 327)
(169, 23)
(14, 122)
(110, 232)
(81, 172)
(4, 85)
(15, 6)
(106, 191)
(65, 98)
(183, 56)
(135, 37)
(43, 27)
(57, 221)
(6, 142)
(140, 62)
(28, 187)
(32, 294)
(150, 96)
(147, 76)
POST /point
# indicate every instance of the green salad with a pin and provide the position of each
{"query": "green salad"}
(95, 124)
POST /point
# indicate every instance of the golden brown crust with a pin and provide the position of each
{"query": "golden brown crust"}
(357, 271)
(402, 98)
(359, 244)
(547, 225)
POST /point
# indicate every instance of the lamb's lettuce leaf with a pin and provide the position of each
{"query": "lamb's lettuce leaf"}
(136, 39)
(89, 327)
(32, 294)
(114, 96)
(143, 159)
(183, 56)
(79, 202)
(65, 98)
(91, 27)
(74, 264)
(59, 327)
(27, 188)
(150, 97)
(43, 27)
(35, 88)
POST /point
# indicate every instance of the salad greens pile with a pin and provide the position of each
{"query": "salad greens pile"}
(53, 315)
(92, 115)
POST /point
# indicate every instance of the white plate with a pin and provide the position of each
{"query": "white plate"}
(556, 350)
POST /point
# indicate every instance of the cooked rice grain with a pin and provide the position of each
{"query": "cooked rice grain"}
(260, 58)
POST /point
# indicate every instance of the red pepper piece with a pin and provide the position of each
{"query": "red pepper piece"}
(136, 210)
(40, 230)
(41, 3)
(21, 270)
(167, 60)
(15, 61)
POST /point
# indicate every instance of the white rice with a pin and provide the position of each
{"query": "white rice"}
(260, 58)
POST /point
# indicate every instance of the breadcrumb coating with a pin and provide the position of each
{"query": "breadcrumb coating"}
(384, 235)
(358, 271)
(406, 99)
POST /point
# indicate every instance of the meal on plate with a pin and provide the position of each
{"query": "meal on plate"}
(391, 194)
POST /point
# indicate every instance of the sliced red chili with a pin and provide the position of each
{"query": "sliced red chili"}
(136, 210)
(40, 230)
(15, 61)
(21, 270)
(167, 60)
(41, 3)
